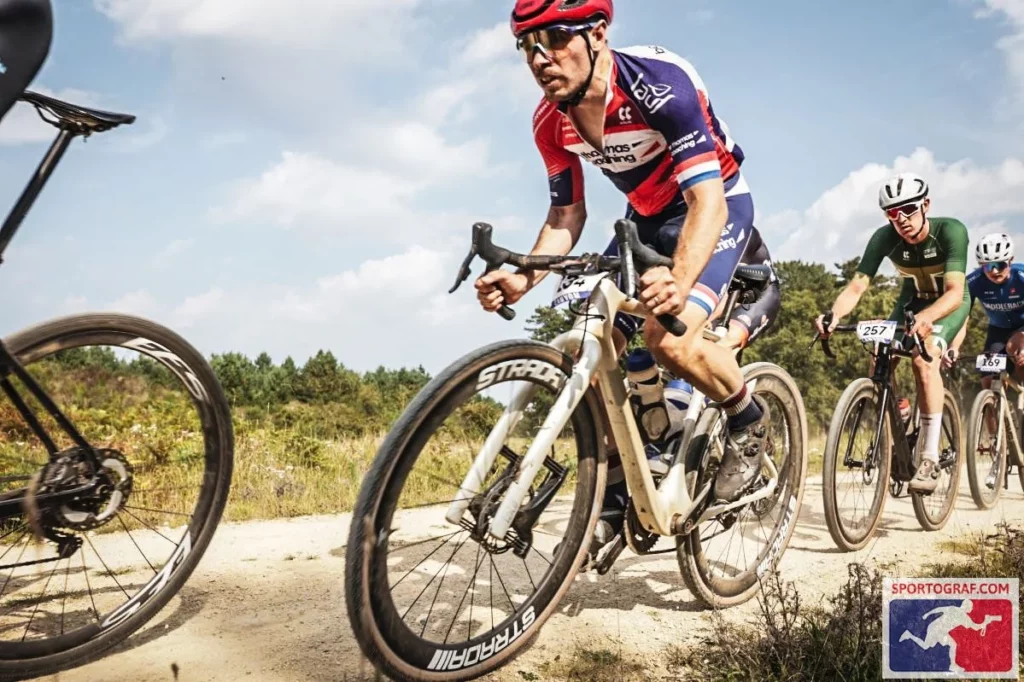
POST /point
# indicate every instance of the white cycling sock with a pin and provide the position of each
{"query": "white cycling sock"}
(931, 429)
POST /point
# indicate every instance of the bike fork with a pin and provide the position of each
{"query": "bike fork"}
(569, 396)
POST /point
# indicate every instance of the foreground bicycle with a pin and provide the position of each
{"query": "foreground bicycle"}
(137, 463)
(992, 428)
(523, 419)
(887, 451)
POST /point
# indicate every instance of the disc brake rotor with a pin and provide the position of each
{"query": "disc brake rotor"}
(110, 496)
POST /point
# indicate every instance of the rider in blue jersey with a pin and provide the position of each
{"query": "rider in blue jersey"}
(998, 284)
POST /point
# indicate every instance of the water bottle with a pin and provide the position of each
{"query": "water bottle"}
(904, 405)
(678, 394)
(647, 398)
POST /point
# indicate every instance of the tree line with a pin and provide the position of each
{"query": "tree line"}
(348, 402)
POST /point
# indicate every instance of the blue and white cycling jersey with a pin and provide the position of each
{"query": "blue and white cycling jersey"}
(1003, 303)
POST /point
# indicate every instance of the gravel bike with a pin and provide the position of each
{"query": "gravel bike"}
(503, 455)
(137, 461)
(888, 452)
(993, 433)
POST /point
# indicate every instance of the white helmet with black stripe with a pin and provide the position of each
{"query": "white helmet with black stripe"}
(994, 248)
(901, 189)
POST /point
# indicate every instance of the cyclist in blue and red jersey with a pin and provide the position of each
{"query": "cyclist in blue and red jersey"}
(643, 115)
(998, 284)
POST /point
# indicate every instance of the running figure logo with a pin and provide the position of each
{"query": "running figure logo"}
(950, 628)
(939, 629)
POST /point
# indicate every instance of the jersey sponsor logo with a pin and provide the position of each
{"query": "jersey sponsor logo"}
(931, 252)
(652, 96)
(625, 115)
(687, 142)
(727, 243)
(1005, 307)
(950, 628)
(456, 659)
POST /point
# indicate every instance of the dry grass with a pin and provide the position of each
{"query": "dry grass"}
(792, 642)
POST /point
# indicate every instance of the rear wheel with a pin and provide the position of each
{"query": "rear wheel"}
(161, 426)
(500, 593)
(934, 510)
(723, 560)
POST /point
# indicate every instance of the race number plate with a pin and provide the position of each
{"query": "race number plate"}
(991, 363)
(576, 288)
(881, 331)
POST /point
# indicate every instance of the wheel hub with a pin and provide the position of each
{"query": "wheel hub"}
(112, 492)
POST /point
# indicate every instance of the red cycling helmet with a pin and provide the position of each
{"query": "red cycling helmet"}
(530, 14)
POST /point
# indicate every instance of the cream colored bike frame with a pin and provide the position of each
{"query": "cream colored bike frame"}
(662, 508)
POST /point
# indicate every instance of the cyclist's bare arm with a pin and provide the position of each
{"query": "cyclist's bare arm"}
(559, 235)
(848, 299)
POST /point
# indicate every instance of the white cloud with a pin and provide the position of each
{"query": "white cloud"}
(176, 247)
(309, 191)
(486, 66)
(197, 307)
(306, 188)
(22, 124)
(1012, 44)
(153, 132)
(837, 225)
(304, 24)
(488, 45)
(139, 302)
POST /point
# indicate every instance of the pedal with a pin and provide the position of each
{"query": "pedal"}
(611, 553)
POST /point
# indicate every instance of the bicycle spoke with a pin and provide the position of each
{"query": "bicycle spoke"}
(155, 511)
(144, 557)
(477, 561)
(153, 529)
(440, 583)
(447, 537)
(88, 586)
(67, 576)
(36, 609)
(109, 572)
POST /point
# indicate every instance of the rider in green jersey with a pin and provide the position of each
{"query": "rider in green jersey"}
(930, 255)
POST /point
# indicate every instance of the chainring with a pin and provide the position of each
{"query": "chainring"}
(639, 539)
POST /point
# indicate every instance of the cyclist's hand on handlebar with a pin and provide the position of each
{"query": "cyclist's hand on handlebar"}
(660, 293)
(819, 324)
(949, 358)
(922, 326)
(500, 287)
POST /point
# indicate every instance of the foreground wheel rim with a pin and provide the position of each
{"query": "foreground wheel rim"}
(133, 543)
(471, 637)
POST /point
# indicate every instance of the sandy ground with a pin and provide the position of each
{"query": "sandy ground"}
(267, 601)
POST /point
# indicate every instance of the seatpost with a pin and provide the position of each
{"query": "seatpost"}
(33, 188)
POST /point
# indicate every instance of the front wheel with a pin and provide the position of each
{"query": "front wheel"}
(986, 462)
(723, 560)
(432, 600)
(858, 457)
(934, 510)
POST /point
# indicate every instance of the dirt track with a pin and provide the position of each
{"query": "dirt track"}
(267, 601)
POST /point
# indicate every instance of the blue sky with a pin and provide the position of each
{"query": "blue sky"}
(304, 174)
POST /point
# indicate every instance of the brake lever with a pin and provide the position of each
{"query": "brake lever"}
(826, 322)
(910, 319)
(482, 235)
(464, 270)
